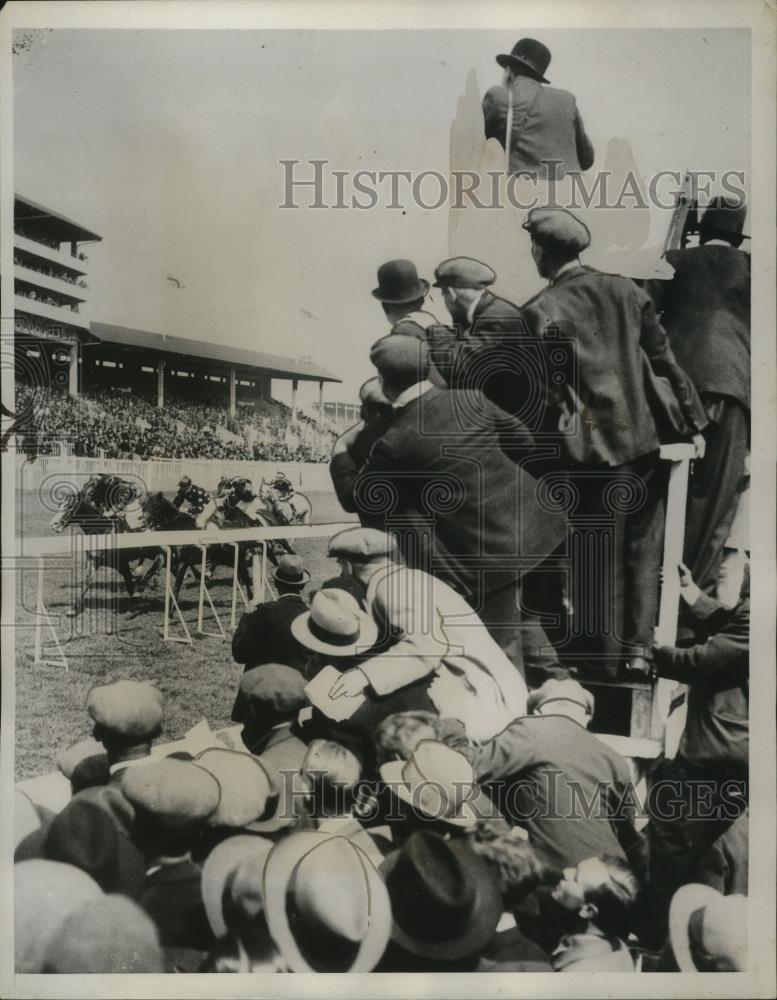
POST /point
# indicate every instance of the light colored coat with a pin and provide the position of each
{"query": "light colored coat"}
(439, 634)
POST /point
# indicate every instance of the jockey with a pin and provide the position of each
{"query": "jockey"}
(196, 497)
(283, 485)
(199, 503)
(238, 490)
(109, 494)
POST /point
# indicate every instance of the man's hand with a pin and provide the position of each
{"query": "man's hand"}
(349, 685)
(689, 592)
(699, 444)
(347, 438)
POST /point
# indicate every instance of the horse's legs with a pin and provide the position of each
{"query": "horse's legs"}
(156, 563)
(184, 563)
(125, 570)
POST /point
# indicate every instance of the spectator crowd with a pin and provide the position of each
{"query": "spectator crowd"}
(111, 423)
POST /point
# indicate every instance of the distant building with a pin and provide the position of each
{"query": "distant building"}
(338, 415)
(51, 320)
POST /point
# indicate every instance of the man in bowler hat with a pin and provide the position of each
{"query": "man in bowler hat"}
(547, 137)
(264, 634)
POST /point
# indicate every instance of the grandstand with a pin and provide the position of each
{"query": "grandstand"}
(100, 390)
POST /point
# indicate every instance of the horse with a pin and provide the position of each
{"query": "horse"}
(161, 515)
(76, 510)
(283, 502)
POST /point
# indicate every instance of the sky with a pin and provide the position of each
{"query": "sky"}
(168, 144)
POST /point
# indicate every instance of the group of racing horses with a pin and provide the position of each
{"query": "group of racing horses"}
(110, 504)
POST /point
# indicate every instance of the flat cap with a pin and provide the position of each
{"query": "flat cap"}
(132, 709)
(362, 544)
(45, 894)
(279, 687)
(245, 785)
(558, 227)
(174, 794)
(463, 272)
(107, 935)
(400, 356)
(560, 690)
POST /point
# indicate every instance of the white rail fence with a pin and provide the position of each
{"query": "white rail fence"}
(78, 545)
(164, 474)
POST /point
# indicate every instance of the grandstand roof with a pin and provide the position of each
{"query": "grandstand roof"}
(273, 364)
(52, 223)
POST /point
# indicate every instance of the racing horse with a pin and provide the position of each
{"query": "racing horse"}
(76, 510)
(283, 503)
(161, 515)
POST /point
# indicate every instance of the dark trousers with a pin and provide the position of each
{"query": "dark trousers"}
(520, 635)
(697, 803)
(617, 552)
(714, 487)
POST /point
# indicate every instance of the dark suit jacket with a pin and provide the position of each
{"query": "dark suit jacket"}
(494, 355)
(717, 674)
(461, 508)
(264, 636)
(610, 322)
(546, 126)
(706, 313)
(173, 899)
(539, 768)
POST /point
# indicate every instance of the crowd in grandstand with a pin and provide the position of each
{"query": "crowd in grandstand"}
(115, 424)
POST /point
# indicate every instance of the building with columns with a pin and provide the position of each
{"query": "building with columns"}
(51, 317)
(156, 366)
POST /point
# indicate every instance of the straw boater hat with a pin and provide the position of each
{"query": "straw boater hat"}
(437, 781)
(335, 624)
(319, 887)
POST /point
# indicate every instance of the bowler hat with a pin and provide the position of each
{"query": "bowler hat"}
(707, 929)
(398, 282)
(290, 570)
(445, 899)
(724, 218)
(560, 689)
(327, 907)
(463, 272)
(335, 624)
(528, 54)
(107, 935)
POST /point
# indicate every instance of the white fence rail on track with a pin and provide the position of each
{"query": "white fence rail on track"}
(163, 474)
(53, 545)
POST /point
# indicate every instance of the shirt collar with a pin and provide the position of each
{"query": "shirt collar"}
(473, 306)
(411, 393)
(716, 243)
(569, 266)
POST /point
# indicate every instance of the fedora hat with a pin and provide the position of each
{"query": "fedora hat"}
(335, 624)
(327, 907)
(528, 54)
(445, 900)
(703, 922)
(434, 781)
(290, 570)
(398, 282)
(221, 867)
